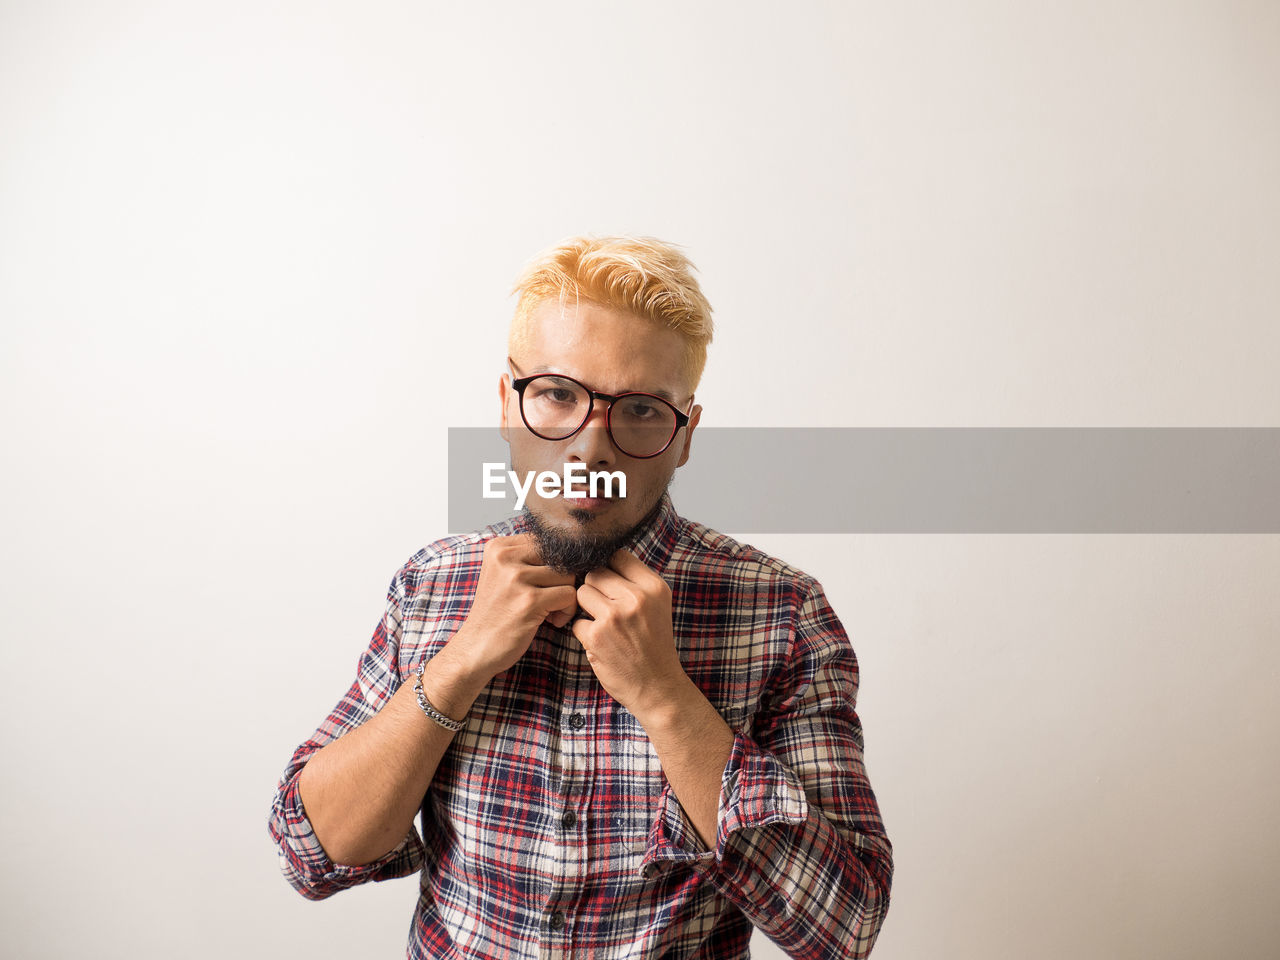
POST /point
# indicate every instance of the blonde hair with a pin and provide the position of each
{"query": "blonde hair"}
(641, 275)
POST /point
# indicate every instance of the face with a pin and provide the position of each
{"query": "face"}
(612, 352)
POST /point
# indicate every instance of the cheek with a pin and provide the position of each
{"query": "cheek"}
(531, 453)
(532, 456)
(646, 479)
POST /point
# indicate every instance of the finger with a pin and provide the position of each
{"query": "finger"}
(608, 582)
(558, 618)
(629, 566)
(541, 576)
(554, 601)
(585, 632)
(516, 548)
(592, 600)
(514, 541)
(521, 547)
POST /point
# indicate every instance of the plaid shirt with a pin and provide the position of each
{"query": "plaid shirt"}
(549, 829)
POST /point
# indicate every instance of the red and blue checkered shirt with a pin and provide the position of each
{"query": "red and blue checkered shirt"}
(549, 829)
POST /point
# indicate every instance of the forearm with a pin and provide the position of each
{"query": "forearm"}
(362, 791)
(815, 879)
(693, 744)
(814, 888)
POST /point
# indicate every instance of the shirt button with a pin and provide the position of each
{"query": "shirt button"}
(556, 921)
(568, 820)
(649, 871)
(577, 721)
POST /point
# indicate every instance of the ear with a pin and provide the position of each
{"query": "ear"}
(694, 416)
(504, 398)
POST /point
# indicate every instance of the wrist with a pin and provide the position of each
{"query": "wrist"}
(425, 705)
(449, 684)
(678, 706)
(478, 654)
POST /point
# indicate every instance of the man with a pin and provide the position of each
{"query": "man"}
(627, 735)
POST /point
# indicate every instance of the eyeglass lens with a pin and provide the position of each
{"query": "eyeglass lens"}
(555, 408)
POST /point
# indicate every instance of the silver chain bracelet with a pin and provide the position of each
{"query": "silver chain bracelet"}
(453, 726)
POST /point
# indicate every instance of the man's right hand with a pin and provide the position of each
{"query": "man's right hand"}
(363, 790)
(516, 592)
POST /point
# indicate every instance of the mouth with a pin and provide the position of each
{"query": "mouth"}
(589, 503)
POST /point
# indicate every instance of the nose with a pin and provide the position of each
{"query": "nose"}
(591, 445)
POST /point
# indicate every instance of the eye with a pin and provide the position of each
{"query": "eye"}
(553, 390)
(641, 408)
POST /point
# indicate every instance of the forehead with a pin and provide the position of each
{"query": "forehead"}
(608, 349)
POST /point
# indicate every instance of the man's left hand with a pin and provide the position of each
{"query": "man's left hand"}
(630, 643)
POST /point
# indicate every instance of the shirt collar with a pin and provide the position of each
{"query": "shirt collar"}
(653, 544)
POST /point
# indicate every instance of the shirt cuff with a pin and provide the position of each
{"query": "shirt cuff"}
(756, 789)
(309, 869)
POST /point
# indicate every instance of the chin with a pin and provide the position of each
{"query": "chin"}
(591, 522)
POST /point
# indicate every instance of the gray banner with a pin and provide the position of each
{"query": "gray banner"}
(945, 480)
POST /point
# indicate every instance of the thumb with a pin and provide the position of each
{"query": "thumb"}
(558, 618)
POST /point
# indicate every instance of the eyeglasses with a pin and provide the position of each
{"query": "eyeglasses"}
(555, 407)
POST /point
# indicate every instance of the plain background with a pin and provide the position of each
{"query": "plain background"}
(254, 261)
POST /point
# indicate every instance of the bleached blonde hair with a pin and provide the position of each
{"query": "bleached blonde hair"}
(641, 275)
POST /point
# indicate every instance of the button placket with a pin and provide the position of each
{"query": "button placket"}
(576, 772)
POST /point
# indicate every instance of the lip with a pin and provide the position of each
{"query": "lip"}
(588, 503)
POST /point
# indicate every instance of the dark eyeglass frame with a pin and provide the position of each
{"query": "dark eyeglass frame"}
(682, 419)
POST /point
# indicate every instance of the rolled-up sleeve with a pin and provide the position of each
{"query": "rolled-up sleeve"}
(302, 858)
(800, 848)
(308, 868)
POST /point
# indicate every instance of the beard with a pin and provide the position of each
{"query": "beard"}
(580, 551)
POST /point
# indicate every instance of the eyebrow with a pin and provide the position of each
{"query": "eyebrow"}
(664, 394)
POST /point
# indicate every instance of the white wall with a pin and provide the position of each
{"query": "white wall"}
(254, 260)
